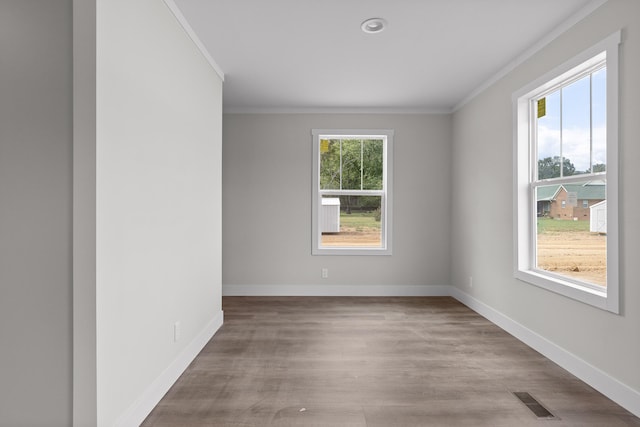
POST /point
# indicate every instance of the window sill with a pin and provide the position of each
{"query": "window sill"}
(594, 297)
(351, 251)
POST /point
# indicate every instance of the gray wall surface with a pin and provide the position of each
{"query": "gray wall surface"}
(158, 216)
(267, 202)
(482, 175)
(85, 398)
(35, 213)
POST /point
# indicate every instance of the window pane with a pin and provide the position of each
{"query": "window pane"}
(351, 221)
(548, 132)
(544, 196)
(329, 164)
(372, 164)
(571, 241)
(351, 164)
(599, 107)
(576, 127)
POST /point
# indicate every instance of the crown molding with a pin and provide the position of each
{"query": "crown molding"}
(336, 110)
(192, 35)
(538, 46)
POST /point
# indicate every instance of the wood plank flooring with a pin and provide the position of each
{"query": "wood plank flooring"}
(376, 362)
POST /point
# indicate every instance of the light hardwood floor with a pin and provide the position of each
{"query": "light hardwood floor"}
(336, 361)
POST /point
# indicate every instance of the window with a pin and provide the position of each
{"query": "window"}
(566, 125)
(351, 206)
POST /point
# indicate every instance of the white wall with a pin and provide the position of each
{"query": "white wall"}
(158, 195)
(482, 177)
(35, 213)
(267, 205)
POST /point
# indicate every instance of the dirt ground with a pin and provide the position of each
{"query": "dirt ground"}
(581, 255)
(369, 237)
(575, 254)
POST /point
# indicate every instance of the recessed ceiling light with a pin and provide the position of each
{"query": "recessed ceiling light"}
(374, 25)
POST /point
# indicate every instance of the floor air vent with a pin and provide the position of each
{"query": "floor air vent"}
(535, 406)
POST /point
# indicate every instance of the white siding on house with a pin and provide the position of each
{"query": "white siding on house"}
(598, 217)
(330, 215)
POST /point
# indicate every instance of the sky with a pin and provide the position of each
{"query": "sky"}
(572, 117)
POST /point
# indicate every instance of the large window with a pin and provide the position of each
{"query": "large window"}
(566, 151)
(351, 192)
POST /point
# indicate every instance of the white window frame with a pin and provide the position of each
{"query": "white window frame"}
(386, 193)
(524, 170)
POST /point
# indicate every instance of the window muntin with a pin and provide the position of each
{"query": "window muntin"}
(567, 144)
(351, 209)
(351, 164)
(570, 125)
(566, 150)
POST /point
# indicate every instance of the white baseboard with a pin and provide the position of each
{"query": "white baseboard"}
(620, 393)
(336, 290)
(143, 406)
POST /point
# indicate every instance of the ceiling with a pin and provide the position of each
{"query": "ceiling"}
(312, 54)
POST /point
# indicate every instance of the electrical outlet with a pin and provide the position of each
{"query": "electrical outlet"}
(325, 273)
(471, 281)
(176, 332)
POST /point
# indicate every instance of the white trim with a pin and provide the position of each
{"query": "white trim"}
(615, 390)
(335, 110)
(524, 210)
(337, 290)
(386, 196)
(551, 36)
(193, 36)
(143, 406)
(559, 73)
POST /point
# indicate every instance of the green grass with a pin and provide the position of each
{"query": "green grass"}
(359, 220)
(550, 225)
